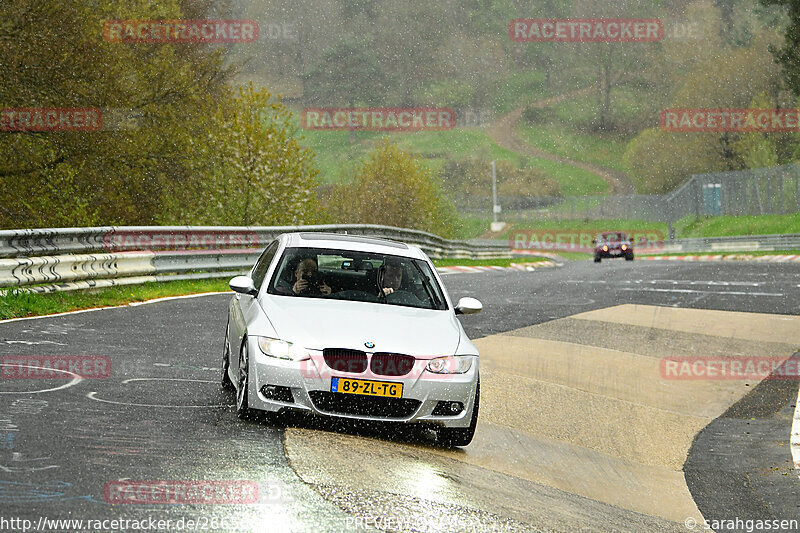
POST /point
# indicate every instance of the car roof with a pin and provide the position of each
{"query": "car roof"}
(342, 241)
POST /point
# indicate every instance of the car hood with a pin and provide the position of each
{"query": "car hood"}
(319, 323)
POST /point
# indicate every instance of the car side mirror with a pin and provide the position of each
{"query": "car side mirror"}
(468, 306)
(243, 285)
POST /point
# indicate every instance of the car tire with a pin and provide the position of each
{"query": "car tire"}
(597, 259)
(452, 437)
(629, 257)
(225, 379)
(243, 410)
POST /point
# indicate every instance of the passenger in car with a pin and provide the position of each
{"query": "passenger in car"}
(306, 280)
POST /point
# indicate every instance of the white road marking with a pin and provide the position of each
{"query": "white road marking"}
(167, 298)
(185, 367)
(33, 343)
(92, 395)
(16, 457)
(694, 291)
(74, 381)
(167, 379)
(673, 282)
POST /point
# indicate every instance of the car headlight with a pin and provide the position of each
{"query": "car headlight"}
(624, 247)
(457, 364)
(282, 349)
(605, 248)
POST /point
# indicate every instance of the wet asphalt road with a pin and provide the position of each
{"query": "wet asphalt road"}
(160, 414)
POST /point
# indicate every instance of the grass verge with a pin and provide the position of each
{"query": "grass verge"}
(16, 304)
(743, 225)
(584, 226)
(685, 228)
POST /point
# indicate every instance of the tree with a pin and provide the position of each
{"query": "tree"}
(346, 74)
(408, 47)
(469, 182)
(707, 83)
(757, 150)
(251, 172)
(788, 56)
(54, 55)
(395, 189)
(184, 135)
(613, 62)
(545, 56)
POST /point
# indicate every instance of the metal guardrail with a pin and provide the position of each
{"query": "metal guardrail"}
(741, 243)
(47, 260)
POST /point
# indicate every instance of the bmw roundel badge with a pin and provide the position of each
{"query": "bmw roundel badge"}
(369, 344)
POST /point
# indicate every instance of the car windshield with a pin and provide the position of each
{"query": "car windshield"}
(615, 237)
(356, 276)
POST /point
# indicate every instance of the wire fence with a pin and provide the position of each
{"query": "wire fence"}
(774, 190)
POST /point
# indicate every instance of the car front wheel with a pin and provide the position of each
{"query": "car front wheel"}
(225, 379)
(451, 437)
(629, 257)
(597, 259)
(243, 410)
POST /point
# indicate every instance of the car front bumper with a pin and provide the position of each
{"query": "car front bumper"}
(309, 382)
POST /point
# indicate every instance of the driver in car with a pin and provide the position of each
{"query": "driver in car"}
(391, 286)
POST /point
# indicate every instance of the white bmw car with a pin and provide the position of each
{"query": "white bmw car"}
(353, 327)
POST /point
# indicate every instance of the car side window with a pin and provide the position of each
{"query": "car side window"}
(262, 265)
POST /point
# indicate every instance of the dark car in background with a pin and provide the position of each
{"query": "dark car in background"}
(611, 245)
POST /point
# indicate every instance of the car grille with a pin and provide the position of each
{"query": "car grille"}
(343, 360)
(391, 364)
(352, 404)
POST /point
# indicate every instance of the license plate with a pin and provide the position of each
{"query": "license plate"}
(367, 388)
